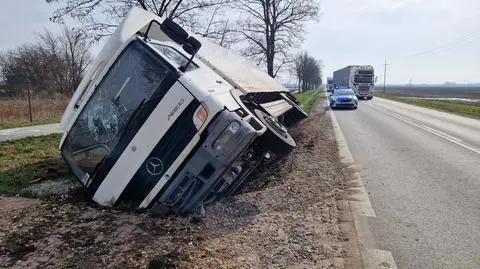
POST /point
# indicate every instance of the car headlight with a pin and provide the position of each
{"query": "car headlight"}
(226, 135)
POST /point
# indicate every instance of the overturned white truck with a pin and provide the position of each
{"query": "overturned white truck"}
(167, 122)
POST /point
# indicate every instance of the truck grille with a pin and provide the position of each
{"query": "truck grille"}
(363, 88)
(164, 154)
(189, 186)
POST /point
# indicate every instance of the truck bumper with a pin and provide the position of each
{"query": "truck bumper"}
(208, 173)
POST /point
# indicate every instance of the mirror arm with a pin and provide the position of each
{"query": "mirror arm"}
(184, 68)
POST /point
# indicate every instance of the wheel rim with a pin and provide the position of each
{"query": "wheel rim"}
(279, 128)
(276, 127)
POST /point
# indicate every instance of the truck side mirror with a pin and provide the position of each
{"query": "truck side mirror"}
(192, 45)
(174, 31)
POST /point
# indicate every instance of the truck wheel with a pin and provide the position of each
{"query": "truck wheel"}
(276, 138)
(294, 115)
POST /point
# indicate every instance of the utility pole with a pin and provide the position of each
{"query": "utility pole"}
(29, 103)
(385, 76)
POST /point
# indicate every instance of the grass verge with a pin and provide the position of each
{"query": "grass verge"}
(27, 159)
(307, 98)
(7, 125)
(459, 109)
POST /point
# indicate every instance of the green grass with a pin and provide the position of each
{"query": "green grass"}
(7, 125)
(460, 109)
(27, 159)
(308, 98)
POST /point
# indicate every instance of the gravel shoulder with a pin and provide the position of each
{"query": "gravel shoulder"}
(293, 214)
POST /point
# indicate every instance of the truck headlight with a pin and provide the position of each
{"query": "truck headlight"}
(200, 116)
(226, 135)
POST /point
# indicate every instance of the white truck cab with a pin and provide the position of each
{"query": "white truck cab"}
(359, 78)
(167, 122)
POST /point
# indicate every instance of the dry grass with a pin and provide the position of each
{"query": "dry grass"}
(14, 112)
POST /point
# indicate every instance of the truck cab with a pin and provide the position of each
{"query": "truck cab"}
(330, 84)
(363, 81)
(359, 78)
(168, 122)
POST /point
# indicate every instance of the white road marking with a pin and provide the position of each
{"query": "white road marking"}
(442, 133)
(359, 200)
(379, 259)
(361, 206)
(430, 130)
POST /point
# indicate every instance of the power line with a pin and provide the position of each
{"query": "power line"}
(385, 76)
(448, 45)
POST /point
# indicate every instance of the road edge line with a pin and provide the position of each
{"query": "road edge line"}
(360, 206)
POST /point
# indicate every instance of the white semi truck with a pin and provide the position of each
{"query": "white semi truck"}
(330, 84)
(359, 78)
(168, 122)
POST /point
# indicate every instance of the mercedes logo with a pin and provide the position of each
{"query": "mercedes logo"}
(154, 166)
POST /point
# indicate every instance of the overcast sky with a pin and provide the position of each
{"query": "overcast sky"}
(426, 41)
(423, 40)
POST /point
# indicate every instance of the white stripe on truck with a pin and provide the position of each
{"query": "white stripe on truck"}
(142, 144)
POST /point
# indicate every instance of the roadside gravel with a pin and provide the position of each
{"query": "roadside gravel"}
(291, 215)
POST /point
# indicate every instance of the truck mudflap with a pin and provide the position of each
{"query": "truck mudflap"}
(213, 169)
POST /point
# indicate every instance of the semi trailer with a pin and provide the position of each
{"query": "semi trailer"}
(165, 121)
(359, 78)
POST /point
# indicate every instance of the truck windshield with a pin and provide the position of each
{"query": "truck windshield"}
(363, 79)
(119, 106)
(174, 56)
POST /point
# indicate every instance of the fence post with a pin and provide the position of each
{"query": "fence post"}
(29, 103)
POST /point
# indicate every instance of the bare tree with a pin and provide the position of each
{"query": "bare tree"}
(75, 47)
(307, 70)
(101, 17)
(211, 24)
(273, 27)
(54, 64)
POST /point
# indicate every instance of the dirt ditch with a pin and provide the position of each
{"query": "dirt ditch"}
(292, 215)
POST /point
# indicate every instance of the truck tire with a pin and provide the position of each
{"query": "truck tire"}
(276, 138)
(294, 115)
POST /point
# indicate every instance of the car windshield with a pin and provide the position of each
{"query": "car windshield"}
(363, 79)
(125, 92)
(343, 92)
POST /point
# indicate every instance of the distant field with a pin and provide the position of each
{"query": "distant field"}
(468, 92)
(462, 109)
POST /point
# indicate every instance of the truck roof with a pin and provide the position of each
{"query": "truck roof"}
(237, 70)
(232, 67)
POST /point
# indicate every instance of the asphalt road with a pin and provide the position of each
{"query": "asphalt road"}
(17, 133)
(422, 171)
